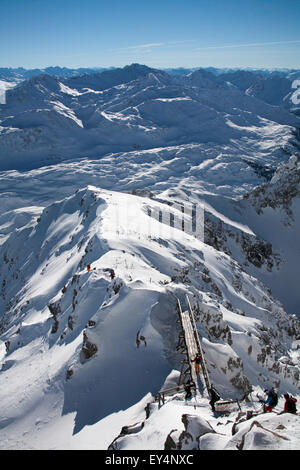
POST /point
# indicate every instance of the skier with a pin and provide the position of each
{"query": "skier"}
(187, 387)
(112, 274)
(197, 360)
(271, 401)
(214, 396)
(290, 404)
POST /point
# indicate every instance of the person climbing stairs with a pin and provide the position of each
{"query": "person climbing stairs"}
(197, 360)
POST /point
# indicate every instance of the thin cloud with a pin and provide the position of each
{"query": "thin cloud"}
(140, 47)
(143, 47)
(184, 41)
(146, 46)
(247, 45)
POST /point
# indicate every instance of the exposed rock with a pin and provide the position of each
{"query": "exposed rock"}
(280, 191)
(194, 428)
(88, 348)
(256, 251)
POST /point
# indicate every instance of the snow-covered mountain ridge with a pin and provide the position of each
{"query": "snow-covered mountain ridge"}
(158, 149)
(47, 120)
(62, 323)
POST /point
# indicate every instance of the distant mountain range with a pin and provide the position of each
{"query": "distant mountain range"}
(64, 72)
(50, 119)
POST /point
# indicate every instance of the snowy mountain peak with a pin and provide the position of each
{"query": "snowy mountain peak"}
(32, 94)
(138, 68)
(121, 199)
(41, 83)
(109, 78)
(204, 79)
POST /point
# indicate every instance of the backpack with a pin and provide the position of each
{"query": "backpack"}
(214, 395)
(274, 398)
(291, 405)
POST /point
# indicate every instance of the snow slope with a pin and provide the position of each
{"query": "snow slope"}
(74, 331)
(4, 86)
(271, 213)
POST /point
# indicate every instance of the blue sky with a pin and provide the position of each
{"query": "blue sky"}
(164, 33)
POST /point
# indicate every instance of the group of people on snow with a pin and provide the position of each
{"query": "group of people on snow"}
(214, 396)
(268, 404)
(272, 401)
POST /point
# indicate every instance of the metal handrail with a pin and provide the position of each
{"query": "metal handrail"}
(196, 333)
(160, 396)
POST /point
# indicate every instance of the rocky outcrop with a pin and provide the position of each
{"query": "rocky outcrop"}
(89, 349)
(254, 250)
(212, 320)
(188, 439)
(280, 191)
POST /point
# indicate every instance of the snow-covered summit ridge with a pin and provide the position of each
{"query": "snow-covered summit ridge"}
(63, 323)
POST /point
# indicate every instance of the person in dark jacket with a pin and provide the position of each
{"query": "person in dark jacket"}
(271, 401)
(188, 389)
(290, 404)
(214, 396)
